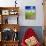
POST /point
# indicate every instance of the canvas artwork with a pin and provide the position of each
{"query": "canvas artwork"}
(30, 12)
(5, 12)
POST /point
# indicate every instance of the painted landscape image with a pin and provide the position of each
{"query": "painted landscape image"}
(30, 12)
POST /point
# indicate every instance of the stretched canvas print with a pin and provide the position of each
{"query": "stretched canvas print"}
(30, 12)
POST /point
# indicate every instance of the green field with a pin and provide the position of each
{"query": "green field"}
(29, 14)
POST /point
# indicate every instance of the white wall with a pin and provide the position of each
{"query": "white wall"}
(7, 3)
(39, 13)
(22, 4)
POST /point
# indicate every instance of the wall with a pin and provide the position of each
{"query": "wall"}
(39, 13)
(22, 4)
(7, 3)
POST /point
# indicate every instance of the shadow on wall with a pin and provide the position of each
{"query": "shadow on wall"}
(37, 29)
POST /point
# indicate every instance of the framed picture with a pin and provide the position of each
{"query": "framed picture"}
(30, 12)
(5, 12)
(13, 12)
